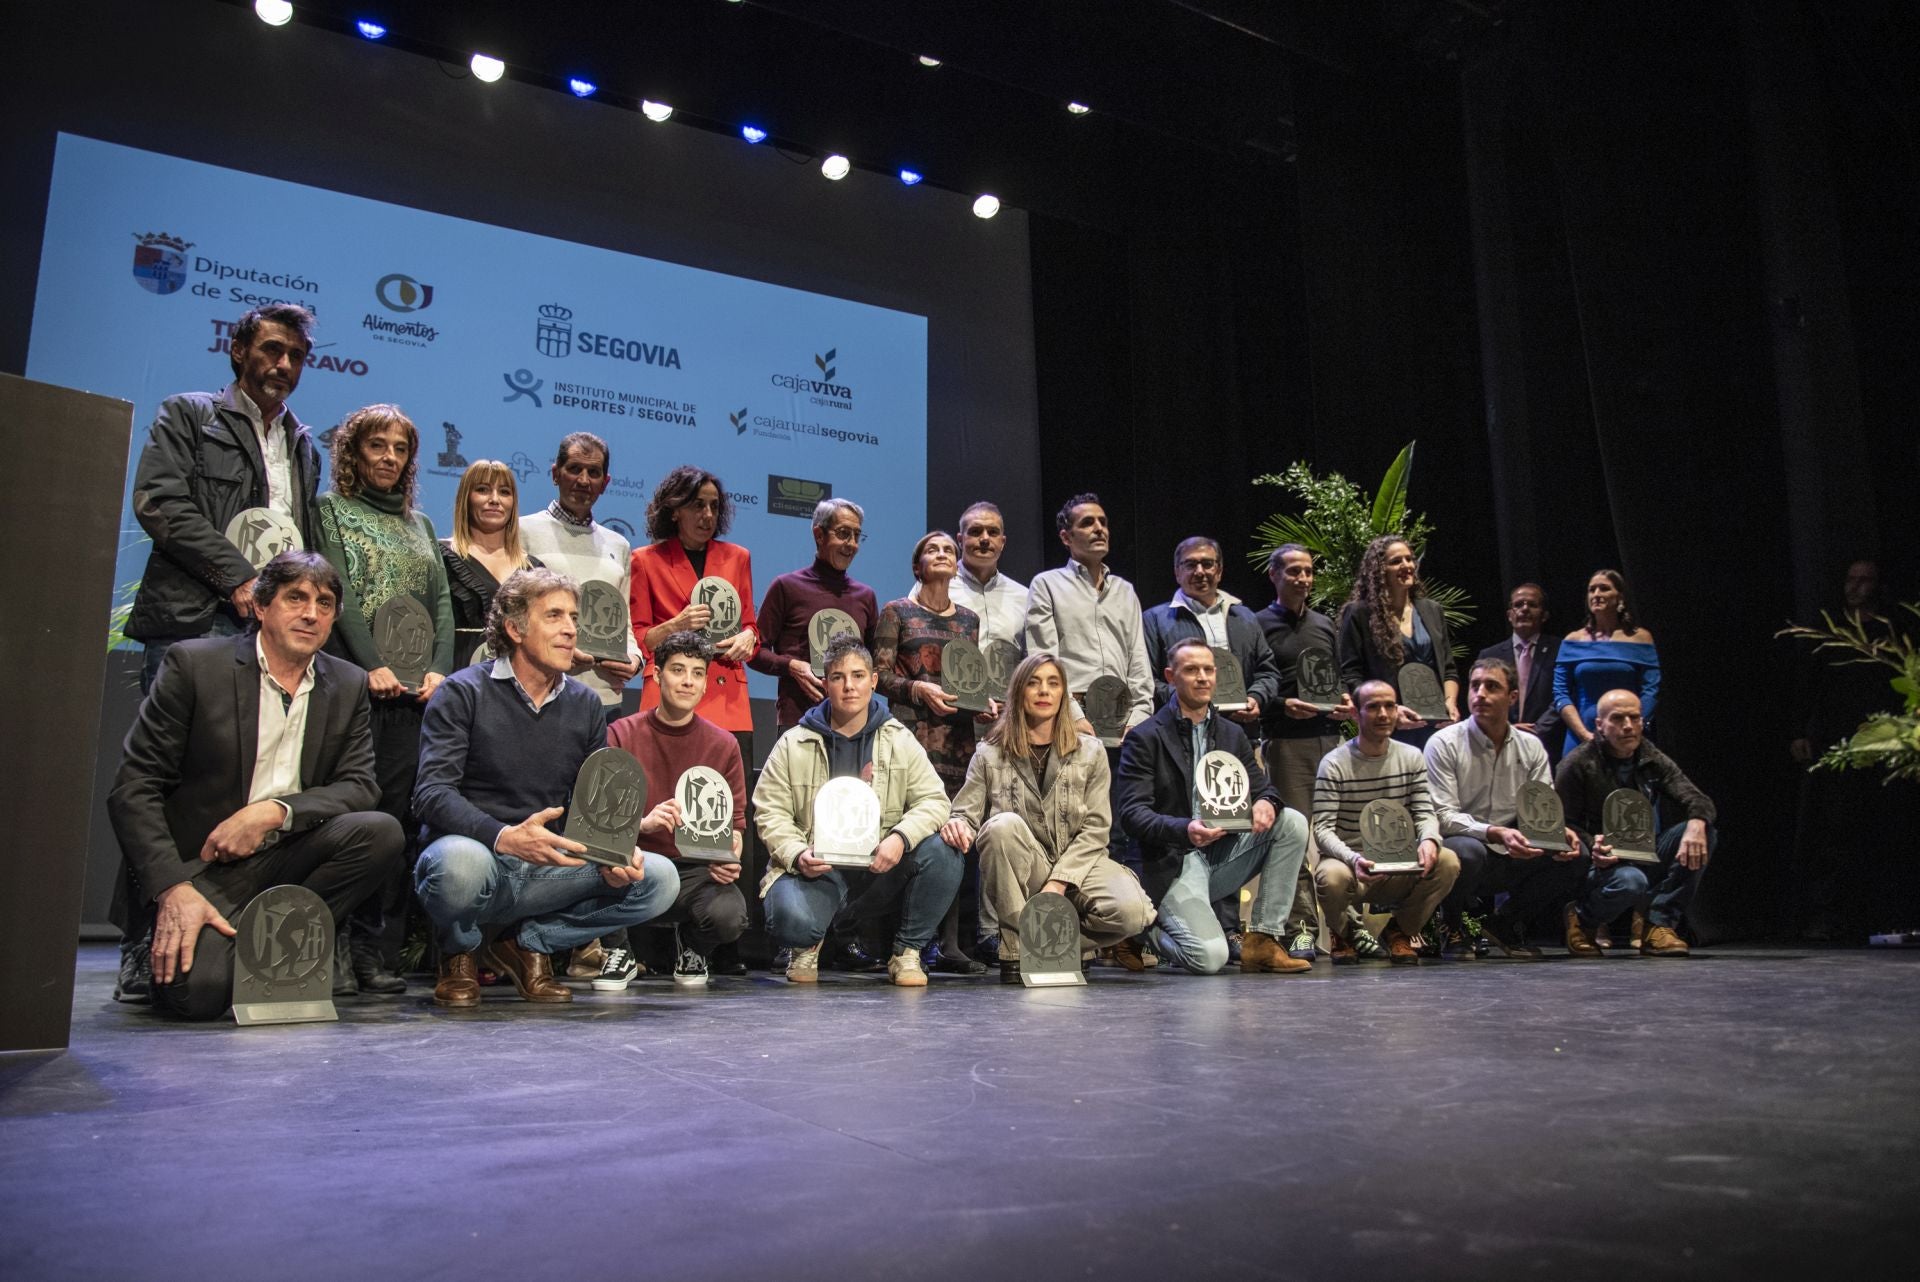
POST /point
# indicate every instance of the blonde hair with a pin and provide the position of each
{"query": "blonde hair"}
(1009, 733)
(492, 472)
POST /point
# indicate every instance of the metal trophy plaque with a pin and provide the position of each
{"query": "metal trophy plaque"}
(482, 653)
(1107, 702)
(1420, 690)
(603, 629)
(1229, 682)
(1543, 820)
(1317, 678)
(846, 823)
(723, 599)
(963, 674)
(283, 959)
(403, 634)
(1226, 794)
(1388, 839)
(609, 800)
(262, 534)
(1002, 658)
(1050, 942)
(822, 628)
(706, 816)
(1628, 818)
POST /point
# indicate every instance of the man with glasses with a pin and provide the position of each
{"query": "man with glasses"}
(795, 597)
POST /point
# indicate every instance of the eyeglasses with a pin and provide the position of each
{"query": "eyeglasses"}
(847, 534)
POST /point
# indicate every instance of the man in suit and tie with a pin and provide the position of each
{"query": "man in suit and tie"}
(249, 766)
(1532, 654)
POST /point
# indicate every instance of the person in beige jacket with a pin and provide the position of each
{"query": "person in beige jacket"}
(851, 733)
(1036, 803)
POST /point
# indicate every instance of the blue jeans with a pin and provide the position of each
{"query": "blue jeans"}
(1673, 891)
(800, 910)
(1188, 933)
(465, 887)
(1608, 892)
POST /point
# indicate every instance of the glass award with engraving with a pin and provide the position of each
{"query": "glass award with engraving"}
(822, 628)
(1229, 682)
(1420, 690)
(846, 823)
(963, 674)
(1226, 794)
(1543, 820)
(1317, 678)
(1050, 942)
(482, 653)
(262, 534)
(609, 801)
(1107, 702)
(722, 599)
(706, 816)
(283, 959)
(1002, 658)
(1388, 838)
(403, 634)
(603, 632)
(1628, 818)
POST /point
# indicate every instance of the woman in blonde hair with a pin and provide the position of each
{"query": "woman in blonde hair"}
(1036, 806)
(483, 550)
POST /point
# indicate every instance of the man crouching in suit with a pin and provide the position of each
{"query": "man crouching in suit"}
(250, 766)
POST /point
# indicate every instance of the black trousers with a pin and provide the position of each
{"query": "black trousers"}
(380, 924)
(708, 913)
(344, 861)
(1531, 885)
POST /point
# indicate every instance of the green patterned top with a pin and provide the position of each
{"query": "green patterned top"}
(383, 551)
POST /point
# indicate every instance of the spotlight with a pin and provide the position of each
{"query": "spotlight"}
(911, 176)
(658, 112)
(371, 30)
(753, 133)
(487, 69)
(926, 61)
(1078, 108)
(275, 13)
(986, 207)
(582, 88)
(836, 167)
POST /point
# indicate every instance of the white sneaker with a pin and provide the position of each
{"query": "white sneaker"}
(804, 967)
(905, 970)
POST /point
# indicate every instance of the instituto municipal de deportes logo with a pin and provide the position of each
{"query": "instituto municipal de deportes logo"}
(553, 334)
(160, 262)
(399, 292)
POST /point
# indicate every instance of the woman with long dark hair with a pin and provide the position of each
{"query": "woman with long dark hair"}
(1390, 621)
(1611, 650)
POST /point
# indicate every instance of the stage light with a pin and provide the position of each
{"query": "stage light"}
(753, 133)
(582, 88)
(911, 176)
(926, 61)
(371, 30)
(1078, 108)
(487, 69)
(275, 13)
(836, 167)
(658, 112)
(986, 207)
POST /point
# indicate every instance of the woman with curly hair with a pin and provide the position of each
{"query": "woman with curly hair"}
(1390, 621)
(384, 549)
(1610, 651)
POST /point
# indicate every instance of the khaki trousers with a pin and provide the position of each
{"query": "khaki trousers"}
(1014, 866)
(1413, 899)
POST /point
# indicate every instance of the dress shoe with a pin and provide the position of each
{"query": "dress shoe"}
(1261, 952)
(1010, 970)
(941, 962)
(1662, 941)
(531, 972)
(1343, 954)
(459, 984)
(1579, 942)
(853, 956)
(1508, 937)
(587, 961)
(1637, 935)
(1400, 950)
(371, 974)
(1129, 955)
(344, 984)
(135, 983)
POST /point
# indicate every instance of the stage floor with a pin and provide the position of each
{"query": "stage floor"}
(1742, 1114)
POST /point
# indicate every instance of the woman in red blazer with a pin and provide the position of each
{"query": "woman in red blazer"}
(689, 510)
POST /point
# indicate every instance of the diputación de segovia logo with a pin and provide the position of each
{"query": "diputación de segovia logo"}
(160, 262)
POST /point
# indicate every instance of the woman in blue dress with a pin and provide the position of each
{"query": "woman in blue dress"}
(1610, 652)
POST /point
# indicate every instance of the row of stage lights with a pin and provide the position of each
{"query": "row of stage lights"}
(278, 13)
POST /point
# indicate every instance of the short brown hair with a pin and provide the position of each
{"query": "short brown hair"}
(514, 603)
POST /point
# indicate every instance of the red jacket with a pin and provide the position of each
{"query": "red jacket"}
(661, 585)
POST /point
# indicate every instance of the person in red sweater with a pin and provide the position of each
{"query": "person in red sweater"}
(666, 740)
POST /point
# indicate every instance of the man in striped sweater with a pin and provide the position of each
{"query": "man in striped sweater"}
(1374, 767)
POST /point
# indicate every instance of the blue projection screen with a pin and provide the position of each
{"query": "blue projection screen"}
(496, 343)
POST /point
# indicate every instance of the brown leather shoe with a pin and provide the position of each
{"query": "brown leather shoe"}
(1579, 942)
(1638, 934)
(459, 984)
(1661, 941)
(1400, 949)
(1342, 950)
(531, 972)
(1128, 954)
(1260, 952)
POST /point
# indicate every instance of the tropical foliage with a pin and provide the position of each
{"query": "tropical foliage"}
(1888, 741)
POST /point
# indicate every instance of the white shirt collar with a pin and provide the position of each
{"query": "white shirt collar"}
(306, 678)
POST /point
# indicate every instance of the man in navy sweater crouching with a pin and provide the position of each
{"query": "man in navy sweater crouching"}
(499, 748)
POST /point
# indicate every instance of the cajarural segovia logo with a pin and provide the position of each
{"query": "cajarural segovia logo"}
(554, 335)
(399, 292)
(160, 262)
(739, 421)
(821, 390)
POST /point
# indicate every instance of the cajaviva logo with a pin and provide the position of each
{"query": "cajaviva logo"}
(160, 262)
(825, 363)
(823, 390)
(399, 292)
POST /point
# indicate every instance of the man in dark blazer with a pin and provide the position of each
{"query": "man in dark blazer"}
(249, 766)
(1527, 615)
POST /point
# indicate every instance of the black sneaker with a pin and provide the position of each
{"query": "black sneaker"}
(1508, 937)
(1010, 970)
(938, 962)
(1234, 938)
(690, 968)
(135, 984)
(987, 949)
(616, 972)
